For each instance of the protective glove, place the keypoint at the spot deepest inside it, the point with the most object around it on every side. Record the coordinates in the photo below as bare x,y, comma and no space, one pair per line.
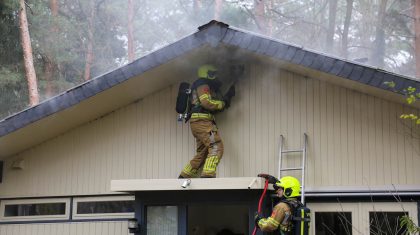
257,218
272,179
228,96
231,92
227,103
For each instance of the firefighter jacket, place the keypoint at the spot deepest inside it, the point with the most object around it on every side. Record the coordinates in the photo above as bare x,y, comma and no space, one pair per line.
204,99
281,218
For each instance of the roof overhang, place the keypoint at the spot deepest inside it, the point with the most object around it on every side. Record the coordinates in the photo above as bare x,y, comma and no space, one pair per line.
257,183
234,183
167,66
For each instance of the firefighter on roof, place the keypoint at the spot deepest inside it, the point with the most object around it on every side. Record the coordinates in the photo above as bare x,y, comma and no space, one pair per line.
205,103
287,189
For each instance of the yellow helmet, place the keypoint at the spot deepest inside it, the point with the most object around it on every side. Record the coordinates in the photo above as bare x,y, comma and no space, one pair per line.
208,71
290,185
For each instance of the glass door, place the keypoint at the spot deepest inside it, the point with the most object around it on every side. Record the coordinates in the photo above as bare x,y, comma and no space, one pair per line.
162,220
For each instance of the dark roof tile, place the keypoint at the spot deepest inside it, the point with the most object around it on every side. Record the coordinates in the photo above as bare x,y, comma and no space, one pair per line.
291,51
246,41
271,49
298,57
308,59
228,36
367,75
318,62
338,66
387,78
356,73
236,39
281,51
263,46
89,89
377,79
346,70
255,43
328,64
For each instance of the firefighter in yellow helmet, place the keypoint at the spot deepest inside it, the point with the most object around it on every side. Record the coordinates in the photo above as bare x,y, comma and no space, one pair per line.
287,189
206,101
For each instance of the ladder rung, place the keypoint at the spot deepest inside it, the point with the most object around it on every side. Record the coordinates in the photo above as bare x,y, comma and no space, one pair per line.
291,169
292,151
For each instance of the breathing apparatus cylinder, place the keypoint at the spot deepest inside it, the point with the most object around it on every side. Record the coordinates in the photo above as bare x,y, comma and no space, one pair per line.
301,220
183,101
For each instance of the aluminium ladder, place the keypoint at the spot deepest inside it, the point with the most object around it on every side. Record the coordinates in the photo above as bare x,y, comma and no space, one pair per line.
302,168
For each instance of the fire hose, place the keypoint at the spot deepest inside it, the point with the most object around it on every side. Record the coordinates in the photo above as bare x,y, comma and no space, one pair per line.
268,179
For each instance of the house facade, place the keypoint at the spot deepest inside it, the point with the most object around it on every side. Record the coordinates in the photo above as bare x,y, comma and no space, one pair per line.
60,157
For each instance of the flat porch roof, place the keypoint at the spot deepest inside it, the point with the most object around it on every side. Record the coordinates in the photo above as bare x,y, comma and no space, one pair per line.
232,183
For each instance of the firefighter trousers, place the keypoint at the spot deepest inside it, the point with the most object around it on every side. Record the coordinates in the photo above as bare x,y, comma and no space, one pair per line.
209,149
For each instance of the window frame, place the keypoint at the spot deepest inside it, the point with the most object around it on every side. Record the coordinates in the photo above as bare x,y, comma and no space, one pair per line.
360,212
4,203
335,207
77,216
409,207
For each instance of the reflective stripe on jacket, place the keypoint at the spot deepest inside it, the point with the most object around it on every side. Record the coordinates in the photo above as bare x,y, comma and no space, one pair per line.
203,98
280,219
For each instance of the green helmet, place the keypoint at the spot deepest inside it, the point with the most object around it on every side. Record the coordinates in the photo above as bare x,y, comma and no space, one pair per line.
290,185
208,71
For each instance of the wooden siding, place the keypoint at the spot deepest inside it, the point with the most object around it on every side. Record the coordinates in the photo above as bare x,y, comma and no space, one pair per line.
82,228
354,139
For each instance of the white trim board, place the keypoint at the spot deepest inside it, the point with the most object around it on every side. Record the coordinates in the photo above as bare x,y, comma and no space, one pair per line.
365,188
196,184
234,183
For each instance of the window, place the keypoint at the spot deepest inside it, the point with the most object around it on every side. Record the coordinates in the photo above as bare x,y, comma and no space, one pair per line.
34,209
162,220
386,223
360,217
334,218
330,223
103,207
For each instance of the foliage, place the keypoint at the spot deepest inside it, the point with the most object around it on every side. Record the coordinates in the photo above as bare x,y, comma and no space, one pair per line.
412,228
412,95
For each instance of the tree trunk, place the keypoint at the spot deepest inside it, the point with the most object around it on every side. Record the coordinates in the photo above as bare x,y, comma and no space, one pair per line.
378,53
332,13
54,7
130,37
344,41
416,4
260,15
48,62
27,55
217,9
89,49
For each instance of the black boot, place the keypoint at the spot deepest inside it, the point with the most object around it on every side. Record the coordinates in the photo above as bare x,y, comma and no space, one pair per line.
181,177
206,176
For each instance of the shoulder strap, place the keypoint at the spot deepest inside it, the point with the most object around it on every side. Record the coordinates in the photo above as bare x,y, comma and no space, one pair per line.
199,82
292,203
213,84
